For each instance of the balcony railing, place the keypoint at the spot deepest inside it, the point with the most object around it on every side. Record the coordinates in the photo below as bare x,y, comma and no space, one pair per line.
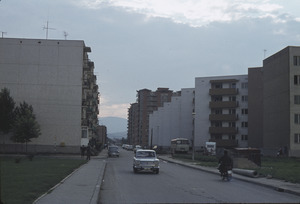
223,104
225,143
223,91
223,117
223,130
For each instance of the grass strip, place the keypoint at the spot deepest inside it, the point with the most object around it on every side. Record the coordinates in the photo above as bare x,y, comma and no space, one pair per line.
284,168
25,181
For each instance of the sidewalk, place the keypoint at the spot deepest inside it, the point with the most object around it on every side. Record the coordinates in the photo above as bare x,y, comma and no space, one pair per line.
82,186
276,184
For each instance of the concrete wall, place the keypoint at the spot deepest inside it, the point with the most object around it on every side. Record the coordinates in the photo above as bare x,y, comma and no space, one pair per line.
47,74
276,101
255,103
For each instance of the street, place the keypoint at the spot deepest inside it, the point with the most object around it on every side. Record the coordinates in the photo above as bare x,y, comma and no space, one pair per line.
178,184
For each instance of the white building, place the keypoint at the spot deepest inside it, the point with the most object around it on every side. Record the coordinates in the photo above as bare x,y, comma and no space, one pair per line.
173,120
56,78
221,111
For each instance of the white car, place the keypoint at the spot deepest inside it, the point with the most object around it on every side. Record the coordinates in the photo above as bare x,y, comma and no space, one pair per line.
145,160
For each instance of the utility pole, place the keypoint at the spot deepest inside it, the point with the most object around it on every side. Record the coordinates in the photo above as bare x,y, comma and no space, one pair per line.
47,28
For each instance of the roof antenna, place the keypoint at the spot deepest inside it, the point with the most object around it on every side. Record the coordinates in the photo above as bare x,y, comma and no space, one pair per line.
2,33
265,53
47,28
66,34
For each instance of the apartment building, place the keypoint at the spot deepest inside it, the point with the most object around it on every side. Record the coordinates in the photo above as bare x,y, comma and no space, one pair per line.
221,111
172,120
276,85
147,102
57,78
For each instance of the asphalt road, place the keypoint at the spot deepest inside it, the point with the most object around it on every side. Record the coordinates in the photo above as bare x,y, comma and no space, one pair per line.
178,184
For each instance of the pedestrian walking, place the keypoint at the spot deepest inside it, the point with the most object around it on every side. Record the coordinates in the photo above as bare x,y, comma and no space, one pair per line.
82,150
88,153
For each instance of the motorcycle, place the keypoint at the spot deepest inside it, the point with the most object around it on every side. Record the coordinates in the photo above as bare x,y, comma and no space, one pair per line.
226,172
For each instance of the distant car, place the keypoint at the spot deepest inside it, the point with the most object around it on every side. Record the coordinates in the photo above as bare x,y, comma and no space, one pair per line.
137,147
145,160
113,151
130,147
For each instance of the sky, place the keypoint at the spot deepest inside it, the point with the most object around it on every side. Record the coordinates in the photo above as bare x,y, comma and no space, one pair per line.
139,44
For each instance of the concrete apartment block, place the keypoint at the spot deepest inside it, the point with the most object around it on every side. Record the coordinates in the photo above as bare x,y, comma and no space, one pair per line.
48,74
221,111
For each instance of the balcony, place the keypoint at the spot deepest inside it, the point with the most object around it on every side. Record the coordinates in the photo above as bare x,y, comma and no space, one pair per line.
225,143
223,130
223,104
223,117
223,92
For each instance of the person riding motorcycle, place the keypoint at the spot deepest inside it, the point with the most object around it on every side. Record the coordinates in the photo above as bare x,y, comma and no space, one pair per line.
225,163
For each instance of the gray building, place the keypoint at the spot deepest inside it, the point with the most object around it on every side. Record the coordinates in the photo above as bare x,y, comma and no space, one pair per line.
274,108
57,78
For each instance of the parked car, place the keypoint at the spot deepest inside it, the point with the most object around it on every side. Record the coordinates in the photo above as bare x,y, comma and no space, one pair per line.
113,151
145,160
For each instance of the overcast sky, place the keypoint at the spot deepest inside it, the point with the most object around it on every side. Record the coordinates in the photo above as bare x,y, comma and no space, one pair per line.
140,44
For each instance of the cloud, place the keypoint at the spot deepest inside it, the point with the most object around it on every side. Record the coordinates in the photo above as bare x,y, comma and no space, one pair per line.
196,13
114,110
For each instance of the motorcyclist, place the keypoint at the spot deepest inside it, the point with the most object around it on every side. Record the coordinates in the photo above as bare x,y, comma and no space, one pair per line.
225,163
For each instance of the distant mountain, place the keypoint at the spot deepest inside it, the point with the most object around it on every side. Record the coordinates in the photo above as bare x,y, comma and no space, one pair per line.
114,124
117,135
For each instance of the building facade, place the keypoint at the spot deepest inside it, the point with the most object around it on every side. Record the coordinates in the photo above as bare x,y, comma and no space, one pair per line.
279,91
221,111
147,102
57,78
172,120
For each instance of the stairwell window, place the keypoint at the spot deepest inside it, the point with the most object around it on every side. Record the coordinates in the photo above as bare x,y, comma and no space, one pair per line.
297,80
297,138
297,118
244,137
244,124
296,60
297,99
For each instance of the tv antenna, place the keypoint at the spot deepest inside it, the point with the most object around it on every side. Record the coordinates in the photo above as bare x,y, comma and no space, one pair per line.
265,53
2,33
47,28
66,34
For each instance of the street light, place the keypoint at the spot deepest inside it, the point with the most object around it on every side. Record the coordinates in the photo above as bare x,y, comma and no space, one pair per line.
193,147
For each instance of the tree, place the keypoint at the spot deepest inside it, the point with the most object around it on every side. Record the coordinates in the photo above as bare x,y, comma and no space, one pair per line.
7,106
25,127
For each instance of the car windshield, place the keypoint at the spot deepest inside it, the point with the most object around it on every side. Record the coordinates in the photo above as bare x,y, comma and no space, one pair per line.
141,154
113,148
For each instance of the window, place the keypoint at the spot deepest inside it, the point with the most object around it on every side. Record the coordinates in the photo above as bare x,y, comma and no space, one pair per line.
231,137
233,85
244,124
231,124
244,85
296,79
245,111
217,86
217,111
297,118
244,137
232,98
216,124
297,138
244,98
217,98
297,99
296,60
232,111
